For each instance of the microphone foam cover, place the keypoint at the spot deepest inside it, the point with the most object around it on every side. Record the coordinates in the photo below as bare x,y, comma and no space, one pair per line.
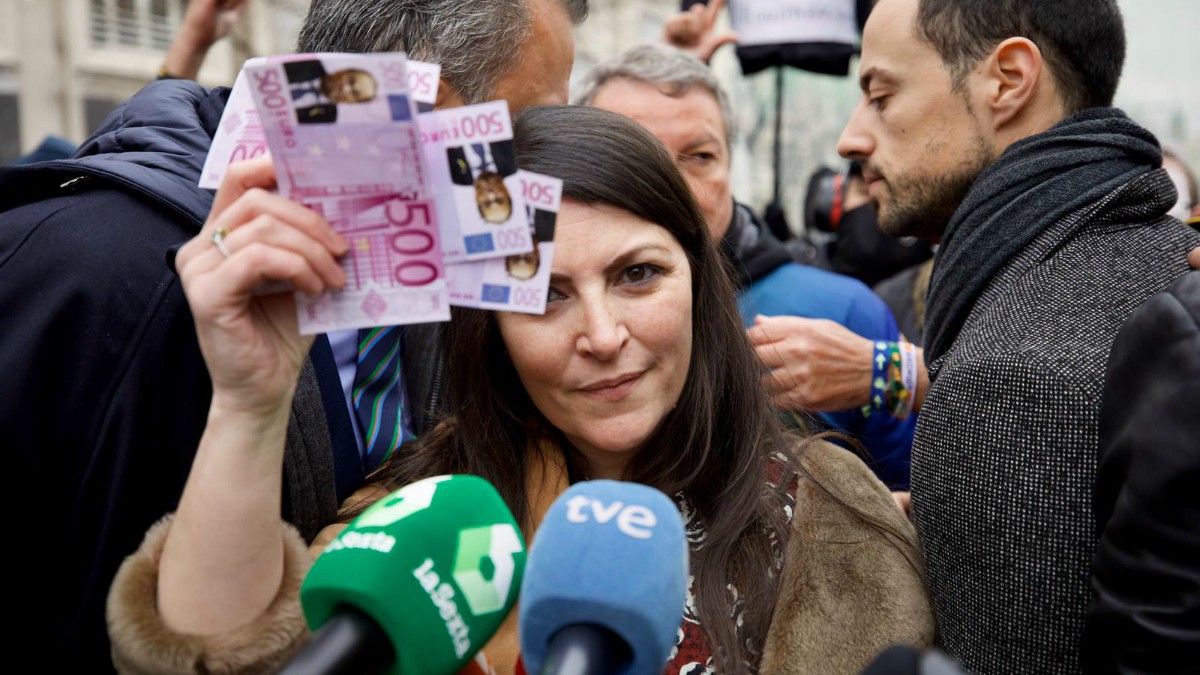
437,564
611,554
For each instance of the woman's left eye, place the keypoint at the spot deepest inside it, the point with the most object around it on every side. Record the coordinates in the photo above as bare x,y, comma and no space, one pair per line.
638,274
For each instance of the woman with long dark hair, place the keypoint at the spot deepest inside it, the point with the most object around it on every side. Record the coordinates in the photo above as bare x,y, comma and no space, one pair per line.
639,370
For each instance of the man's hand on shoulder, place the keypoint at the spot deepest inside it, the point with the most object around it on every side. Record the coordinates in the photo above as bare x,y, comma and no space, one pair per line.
693,31
1194,258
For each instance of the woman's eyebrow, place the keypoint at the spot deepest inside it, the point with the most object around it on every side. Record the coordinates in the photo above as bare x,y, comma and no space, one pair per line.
622,260
631,254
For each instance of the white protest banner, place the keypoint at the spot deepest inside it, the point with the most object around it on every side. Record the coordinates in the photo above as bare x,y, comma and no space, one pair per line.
767,22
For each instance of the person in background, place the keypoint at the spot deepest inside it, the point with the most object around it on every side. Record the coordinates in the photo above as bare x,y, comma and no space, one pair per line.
105,388
1146,573
832,368
904,294
988,126
205,23
838,203
52,147
638,371
694,30
679,100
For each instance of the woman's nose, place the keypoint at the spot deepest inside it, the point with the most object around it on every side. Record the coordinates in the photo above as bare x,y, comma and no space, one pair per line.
604,331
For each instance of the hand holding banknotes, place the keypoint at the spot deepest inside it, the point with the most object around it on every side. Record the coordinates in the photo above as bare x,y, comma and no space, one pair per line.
250,340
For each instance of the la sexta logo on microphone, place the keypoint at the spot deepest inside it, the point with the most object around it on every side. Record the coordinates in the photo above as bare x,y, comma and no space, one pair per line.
484,567
401,504
633,520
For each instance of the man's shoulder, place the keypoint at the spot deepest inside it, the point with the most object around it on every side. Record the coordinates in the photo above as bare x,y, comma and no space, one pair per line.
1059,310
102,233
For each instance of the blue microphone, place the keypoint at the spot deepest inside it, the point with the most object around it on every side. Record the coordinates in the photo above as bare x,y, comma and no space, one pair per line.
605,582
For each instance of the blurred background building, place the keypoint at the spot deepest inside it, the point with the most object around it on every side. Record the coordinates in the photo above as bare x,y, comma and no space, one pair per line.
65,64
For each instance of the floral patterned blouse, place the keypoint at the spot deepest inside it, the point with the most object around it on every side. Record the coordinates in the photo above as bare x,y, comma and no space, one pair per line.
692,654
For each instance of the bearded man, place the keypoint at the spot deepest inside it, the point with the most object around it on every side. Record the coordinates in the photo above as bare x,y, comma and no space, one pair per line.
987,125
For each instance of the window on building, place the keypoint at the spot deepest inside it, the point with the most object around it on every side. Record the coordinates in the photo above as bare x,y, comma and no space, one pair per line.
95,110
135,24
10,129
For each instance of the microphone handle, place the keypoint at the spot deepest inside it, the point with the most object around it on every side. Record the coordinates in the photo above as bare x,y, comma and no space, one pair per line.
586,649
349,643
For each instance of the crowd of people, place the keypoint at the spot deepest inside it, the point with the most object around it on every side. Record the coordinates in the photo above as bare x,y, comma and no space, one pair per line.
1004,475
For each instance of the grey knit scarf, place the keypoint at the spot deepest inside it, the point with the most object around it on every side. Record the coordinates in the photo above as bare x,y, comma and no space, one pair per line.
1036,182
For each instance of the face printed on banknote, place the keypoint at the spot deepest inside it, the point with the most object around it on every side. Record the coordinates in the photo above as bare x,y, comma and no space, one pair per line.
474,172
523,266
518,282
352,85
495,205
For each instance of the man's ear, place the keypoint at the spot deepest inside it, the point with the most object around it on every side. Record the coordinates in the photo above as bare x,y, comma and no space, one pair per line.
447,96
1015,72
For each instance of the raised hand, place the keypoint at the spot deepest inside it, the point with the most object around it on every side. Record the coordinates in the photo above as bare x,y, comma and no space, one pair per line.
693,30
223,559
249,339
205,23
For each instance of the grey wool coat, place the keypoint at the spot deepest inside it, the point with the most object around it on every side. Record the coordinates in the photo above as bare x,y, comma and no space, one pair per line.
1005,454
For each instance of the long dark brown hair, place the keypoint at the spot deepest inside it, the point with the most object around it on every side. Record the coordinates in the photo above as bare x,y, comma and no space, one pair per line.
714,447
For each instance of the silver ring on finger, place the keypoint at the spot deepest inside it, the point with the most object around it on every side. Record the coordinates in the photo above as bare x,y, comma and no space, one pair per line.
218,240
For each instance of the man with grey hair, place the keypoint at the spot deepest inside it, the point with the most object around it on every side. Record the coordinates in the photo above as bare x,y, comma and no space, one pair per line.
105,389
519,50
679,100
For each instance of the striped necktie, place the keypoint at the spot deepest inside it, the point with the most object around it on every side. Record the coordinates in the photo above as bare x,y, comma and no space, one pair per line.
377,393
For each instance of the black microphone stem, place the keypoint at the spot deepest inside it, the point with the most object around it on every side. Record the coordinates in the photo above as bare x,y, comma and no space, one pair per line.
586,650
350,643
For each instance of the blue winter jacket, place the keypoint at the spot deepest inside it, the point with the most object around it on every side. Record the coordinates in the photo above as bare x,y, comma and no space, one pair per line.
773,285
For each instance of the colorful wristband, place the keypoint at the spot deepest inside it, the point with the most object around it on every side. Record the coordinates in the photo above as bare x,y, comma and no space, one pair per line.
893,379
908,376
879,362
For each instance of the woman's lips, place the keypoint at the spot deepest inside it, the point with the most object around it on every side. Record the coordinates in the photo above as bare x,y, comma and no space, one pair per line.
613,389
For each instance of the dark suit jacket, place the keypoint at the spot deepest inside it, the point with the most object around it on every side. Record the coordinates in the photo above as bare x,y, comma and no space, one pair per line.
308,71
463,163
1145,614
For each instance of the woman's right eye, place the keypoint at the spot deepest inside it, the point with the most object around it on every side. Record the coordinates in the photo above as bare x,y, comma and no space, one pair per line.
552,295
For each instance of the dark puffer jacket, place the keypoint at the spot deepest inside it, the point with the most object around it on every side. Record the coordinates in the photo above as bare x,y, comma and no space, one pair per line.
104,393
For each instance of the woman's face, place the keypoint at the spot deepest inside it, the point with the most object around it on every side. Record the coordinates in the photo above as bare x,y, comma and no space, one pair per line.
608,360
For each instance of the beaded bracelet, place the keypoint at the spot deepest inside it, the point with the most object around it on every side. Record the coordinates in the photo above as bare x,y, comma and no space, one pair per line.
893,379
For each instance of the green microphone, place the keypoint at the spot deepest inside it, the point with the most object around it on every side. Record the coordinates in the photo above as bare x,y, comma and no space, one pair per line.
416,584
